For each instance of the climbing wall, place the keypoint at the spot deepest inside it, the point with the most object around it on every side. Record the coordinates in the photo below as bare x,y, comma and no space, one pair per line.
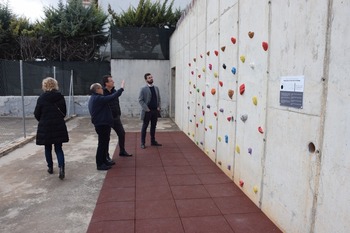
227,103
290,160
251,97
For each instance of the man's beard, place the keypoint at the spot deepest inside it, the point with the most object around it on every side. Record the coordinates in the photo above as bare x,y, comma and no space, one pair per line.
150,82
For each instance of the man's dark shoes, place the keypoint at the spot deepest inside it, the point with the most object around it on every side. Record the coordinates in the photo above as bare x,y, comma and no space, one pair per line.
103,167
155,143
110,162
143,146
50,170
125,154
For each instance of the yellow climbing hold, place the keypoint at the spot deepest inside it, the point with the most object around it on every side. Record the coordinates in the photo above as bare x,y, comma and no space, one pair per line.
219,138
255,189
203,69
242,58
216,74
238,150
210,126
255,100
201,120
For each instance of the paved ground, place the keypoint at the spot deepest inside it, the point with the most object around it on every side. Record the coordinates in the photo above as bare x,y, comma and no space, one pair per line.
174,188
31,200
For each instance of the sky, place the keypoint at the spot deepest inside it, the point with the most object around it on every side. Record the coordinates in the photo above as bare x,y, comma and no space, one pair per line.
33,9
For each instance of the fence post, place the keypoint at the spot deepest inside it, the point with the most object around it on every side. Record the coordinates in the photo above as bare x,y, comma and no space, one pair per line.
22,94
70,92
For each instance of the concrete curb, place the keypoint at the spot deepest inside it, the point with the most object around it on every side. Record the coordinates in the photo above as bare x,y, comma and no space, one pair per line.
22,141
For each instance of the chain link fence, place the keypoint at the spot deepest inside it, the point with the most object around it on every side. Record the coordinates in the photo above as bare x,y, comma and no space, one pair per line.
20,86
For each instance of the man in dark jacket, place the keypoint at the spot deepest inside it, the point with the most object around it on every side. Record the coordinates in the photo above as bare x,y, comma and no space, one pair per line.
101,117
109,89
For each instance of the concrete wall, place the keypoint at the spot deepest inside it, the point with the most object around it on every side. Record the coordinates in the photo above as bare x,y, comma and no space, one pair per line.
295,168
132,71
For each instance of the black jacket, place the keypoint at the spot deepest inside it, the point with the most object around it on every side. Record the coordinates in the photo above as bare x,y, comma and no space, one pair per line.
114,105
50,111
99,109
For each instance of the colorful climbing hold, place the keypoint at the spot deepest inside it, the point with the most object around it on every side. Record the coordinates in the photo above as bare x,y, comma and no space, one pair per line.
260,130
250,150
229,118
221,83
226,138
216,53
233,40
208,106
241,183
216,74
192,72
238,150
233,70
213,91
244,117
242,58
242,89
189,64
230,93
223,48
203,69
265,45
255,100
255,189
251,34
199,76
203,93
221,110
201,120
210,126
219,139
194,59
215,114
210,66
208,53
224,66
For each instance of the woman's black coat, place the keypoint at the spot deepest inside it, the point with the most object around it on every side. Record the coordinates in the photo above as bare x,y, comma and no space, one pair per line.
50,111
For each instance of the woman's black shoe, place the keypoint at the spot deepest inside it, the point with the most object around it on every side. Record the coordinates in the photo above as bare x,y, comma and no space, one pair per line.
61,176
50,170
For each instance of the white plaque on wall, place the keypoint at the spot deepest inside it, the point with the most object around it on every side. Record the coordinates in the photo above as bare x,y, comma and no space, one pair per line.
292,91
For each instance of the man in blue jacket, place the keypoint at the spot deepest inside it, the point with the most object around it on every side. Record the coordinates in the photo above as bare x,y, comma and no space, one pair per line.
101,117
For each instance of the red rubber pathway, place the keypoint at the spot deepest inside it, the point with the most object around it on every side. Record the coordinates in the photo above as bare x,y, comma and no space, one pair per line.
172,189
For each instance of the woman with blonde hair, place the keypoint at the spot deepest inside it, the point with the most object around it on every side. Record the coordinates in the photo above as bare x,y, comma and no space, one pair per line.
50,111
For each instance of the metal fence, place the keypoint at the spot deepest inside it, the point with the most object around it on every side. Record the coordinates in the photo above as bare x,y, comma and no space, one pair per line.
20,86
140,43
